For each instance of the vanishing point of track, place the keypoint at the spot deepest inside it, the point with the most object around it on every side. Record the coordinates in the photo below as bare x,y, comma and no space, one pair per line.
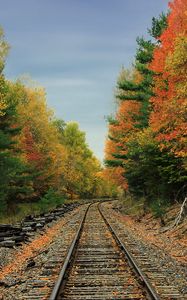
98,266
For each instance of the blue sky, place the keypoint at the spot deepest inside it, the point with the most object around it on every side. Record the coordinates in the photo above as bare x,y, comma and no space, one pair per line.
75,49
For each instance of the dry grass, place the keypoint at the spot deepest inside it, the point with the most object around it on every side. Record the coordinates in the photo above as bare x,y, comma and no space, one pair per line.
130,206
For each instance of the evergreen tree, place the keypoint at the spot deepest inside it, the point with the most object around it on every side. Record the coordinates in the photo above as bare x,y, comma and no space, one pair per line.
142,89
14,174
150,169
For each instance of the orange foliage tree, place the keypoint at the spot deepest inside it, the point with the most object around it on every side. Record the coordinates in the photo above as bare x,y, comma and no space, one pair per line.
121,131
168,118
146,142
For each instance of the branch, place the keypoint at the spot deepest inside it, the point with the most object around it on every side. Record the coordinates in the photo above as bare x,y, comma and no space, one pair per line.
179,216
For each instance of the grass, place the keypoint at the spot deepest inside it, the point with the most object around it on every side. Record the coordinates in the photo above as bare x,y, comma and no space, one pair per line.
131,206
33,208
138,207
21,211
48,202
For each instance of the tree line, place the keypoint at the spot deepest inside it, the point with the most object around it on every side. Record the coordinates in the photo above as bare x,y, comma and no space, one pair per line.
41,157
146,148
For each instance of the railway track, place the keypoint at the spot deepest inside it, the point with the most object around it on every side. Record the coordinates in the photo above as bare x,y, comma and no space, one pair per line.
99,267
158,273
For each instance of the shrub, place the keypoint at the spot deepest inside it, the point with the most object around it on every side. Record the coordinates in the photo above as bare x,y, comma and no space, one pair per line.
50,200
158,207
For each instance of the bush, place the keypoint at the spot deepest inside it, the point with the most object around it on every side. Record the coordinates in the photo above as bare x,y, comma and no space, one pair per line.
158,207
50,201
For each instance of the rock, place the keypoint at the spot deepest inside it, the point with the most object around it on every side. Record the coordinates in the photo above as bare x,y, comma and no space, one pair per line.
5,227
29,224
39,225
31,263
3,283
9,243
29,217
25,229
42,219
19,239
20,232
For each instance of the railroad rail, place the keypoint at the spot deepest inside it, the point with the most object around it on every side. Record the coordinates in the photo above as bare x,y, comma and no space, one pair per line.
155,271
98,266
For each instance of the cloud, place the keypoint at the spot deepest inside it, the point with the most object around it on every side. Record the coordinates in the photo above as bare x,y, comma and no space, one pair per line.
65,82
75,49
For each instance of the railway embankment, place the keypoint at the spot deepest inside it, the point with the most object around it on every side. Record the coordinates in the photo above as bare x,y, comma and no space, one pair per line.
30,271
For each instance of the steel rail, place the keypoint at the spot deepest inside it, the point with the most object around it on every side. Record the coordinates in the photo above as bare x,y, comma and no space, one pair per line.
144,280
68,258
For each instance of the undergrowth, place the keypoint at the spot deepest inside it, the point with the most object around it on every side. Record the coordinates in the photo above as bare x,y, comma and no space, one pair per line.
48,202
132,207
139,207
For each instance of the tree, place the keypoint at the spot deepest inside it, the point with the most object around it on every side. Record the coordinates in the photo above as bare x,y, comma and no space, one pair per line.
168,118
81,167
121,129
139,86
14,173
40,139
40,156
4,48
150,172
146,141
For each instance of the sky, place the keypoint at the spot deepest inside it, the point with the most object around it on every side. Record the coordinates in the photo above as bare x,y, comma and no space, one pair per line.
75,49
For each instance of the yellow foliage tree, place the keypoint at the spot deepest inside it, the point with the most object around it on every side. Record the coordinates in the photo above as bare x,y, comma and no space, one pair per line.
39,138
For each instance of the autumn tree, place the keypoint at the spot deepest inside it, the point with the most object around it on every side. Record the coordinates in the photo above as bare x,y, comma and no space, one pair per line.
146,139
134,89
39,139
151,173
41,158
168,119
138,87
121,128
4,48
80,165
15,175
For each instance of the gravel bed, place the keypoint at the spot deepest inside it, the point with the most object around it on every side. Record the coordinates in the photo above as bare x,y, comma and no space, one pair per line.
38,274
175,273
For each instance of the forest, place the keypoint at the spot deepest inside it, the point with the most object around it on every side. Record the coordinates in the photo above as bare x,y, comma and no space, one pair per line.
72,226
43,160
146,148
